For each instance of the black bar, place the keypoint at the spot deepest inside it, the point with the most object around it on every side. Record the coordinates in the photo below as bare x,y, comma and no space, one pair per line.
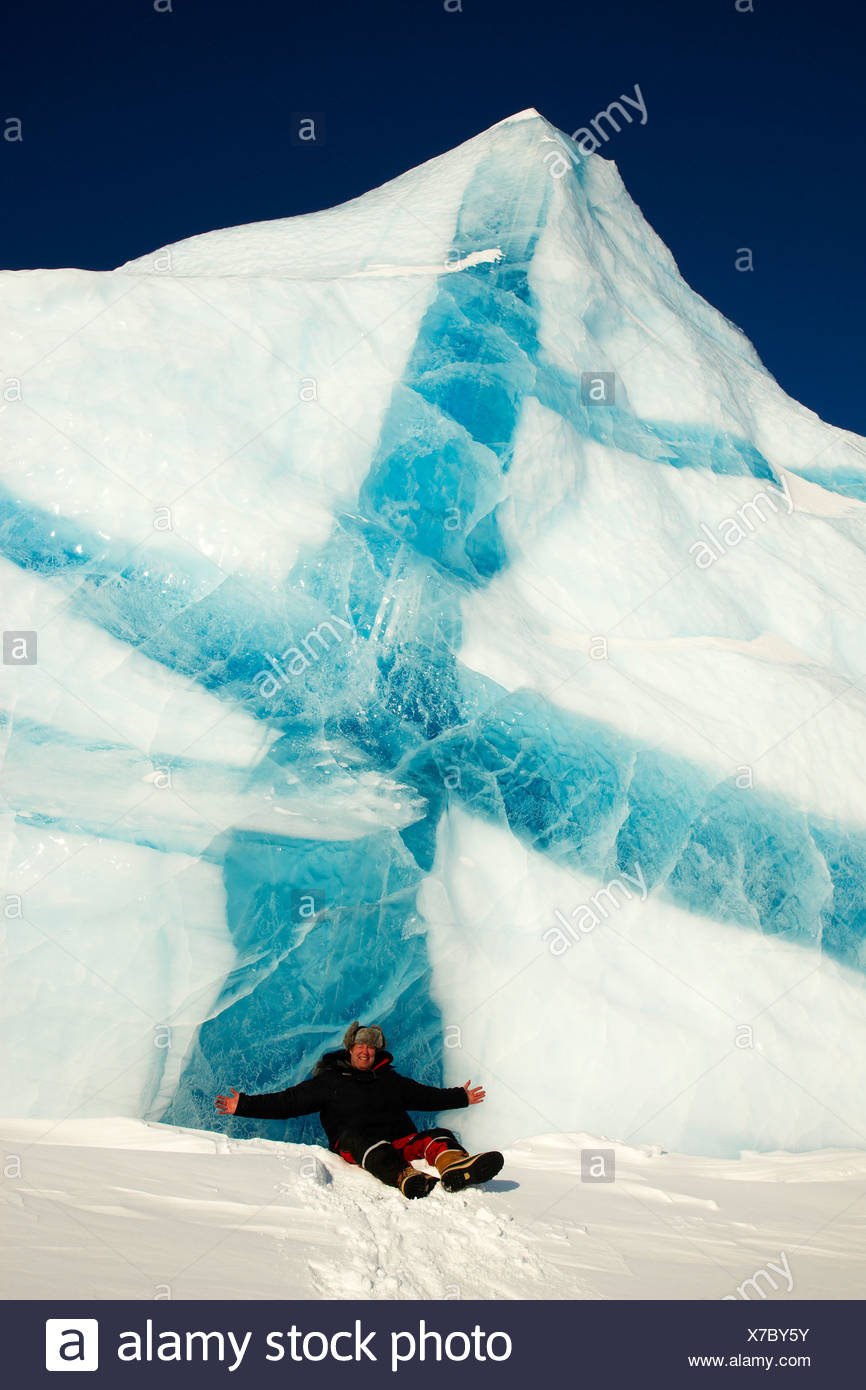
628,1344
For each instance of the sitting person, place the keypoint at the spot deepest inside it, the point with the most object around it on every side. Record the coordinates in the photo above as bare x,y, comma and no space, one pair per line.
362,1104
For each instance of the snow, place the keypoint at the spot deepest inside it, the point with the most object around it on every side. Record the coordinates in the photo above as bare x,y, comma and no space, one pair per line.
118,1208
372,647
489,257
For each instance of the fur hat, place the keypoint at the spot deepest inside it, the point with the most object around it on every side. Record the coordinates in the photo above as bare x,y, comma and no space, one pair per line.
371,1034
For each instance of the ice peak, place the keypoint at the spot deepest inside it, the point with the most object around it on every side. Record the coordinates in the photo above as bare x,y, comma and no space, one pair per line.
338,241
529,114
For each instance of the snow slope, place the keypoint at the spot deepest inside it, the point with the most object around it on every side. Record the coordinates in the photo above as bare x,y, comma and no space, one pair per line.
443,618
124,1209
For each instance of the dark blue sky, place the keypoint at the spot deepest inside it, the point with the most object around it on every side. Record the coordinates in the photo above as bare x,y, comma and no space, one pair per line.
140,127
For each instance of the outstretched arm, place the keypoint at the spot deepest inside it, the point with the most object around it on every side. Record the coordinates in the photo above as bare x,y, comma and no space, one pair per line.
303,1099
416,1096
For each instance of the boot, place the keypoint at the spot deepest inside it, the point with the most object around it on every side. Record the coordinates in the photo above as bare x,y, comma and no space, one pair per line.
446,1158
458,1169
413,1183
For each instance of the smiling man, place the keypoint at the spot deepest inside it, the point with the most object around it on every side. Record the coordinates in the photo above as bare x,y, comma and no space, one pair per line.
362,1103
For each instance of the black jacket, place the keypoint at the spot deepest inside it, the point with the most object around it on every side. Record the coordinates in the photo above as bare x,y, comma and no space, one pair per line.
349,1100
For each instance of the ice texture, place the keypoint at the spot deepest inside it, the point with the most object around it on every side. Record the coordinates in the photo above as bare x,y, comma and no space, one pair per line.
372,645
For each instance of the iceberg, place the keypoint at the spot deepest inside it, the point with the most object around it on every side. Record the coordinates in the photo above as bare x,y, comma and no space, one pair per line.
430,610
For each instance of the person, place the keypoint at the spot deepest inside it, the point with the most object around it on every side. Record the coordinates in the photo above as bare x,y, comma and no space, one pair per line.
362,1103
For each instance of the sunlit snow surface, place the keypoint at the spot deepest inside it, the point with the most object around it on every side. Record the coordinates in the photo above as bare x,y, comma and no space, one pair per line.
119,1208
371,648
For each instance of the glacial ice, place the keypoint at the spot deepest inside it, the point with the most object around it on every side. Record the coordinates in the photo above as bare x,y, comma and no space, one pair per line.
369,642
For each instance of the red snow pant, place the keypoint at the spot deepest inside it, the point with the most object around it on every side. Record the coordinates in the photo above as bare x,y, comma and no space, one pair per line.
386,1158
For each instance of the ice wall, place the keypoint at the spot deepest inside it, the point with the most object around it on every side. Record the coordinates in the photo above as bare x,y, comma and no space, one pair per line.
362,617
